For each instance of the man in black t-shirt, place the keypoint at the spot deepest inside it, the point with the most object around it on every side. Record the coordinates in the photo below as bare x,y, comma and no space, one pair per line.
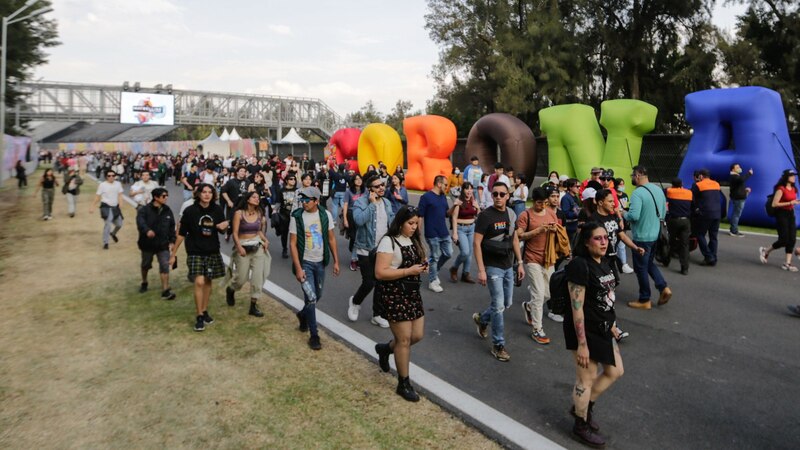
497,252
606,217
233,190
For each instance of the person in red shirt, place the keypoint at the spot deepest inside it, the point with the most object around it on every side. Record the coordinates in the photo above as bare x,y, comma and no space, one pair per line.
784,201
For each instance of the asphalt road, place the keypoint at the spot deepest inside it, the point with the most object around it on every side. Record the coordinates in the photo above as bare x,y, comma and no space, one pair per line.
715,368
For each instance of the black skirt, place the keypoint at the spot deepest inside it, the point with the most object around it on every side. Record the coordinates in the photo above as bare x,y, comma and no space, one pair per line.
600,342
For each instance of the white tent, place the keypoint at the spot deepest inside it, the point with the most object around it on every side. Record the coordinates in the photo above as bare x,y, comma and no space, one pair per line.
292,138
224,136
213,145
234,136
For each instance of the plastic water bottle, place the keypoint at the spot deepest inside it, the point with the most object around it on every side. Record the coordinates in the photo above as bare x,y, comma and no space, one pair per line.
308,288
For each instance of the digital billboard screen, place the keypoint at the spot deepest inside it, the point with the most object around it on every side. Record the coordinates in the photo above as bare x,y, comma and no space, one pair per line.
141,108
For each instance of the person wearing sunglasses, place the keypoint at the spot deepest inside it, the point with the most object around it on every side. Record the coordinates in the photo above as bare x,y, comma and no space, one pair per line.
156,225
588,329
497,253
372,214
109,197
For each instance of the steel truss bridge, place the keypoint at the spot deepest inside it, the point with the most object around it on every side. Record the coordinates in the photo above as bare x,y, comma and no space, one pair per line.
74,102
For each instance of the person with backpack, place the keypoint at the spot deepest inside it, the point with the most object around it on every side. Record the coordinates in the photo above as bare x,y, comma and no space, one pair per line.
784,199
497,253
313,245
588,329
399,262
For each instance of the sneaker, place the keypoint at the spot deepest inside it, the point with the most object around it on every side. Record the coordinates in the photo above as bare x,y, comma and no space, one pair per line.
207,319
303,322
435,286
285,254
230,296
481,327
168,295
143,288
379,321
314,343
622,334
794,309
114,237
200,325
555,317
354,266
540,337
105,246
789,267
627,269
526,309
500,353
740,234
731,233
762,254
352,310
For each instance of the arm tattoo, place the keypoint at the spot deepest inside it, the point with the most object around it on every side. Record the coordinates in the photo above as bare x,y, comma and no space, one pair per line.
575,291
579,389
580,332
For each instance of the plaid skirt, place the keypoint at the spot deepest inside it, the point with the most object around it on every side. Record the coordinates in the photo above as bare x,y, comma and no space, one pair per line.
209,266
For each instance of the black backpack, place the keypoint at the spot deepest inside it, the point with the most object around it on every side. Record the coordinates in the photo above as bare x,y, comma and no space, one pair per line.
373,254
559,293
768,206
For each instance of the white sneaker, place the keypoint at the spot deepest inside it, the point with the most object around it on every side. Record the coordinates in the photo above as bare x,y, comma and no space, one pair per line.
379,321
435,286
352,310
627,269
555,317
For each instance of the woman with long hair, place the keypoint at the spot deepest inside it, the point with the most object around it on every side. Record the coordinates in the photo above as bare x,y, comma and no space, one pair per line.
199,226
260,187
400,172
465,210
397,193
284,205
784,201
354,192
47,184
398,264
519,195
588,327
249,262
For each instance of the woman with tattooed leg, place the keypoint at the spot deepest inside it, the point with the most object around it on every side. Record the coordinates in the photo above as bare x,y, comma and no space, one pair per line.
588,329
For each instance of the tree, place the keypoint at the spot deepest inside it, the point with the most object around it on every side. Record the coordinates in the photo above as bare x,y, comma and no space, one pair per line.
27,42
366,115
401,110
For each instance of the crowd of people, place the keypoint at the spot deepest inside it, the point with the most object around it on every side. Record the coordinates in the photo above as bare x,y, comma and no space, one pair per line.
504,231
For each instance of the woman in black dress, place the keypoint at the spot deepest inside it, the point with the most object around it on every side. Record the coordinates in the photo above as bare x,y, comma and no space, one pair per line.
399,262
588,328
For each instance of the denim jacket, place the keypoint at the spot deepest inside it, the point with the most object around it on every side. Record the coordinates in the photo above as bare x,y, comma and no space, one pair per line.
365,215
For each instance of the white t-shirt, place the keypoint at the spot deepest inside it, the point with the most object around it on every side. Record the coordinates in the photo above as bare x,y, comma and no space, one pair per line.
381,225
143,198
208,178
109,192
185,205
314,235
385,246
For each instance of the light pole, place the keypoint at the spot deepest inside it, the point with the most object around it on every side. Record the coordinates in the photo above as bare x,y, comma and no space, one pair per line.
5,23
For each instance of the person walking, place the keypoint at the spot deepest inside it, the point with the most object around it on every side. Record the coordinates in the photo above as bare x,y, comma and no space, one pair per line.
648,207
497,253
454,182
22,177
465,210
707,212
679,224
588,329
519,196
199,226
372,215
72,188
397,193
355,190
232,192
156,225
284,205
339,186
571,207
141,191
250,261
473,173
533,227
738,193
433,212
399,262
784,200
311,253
109,197
47,184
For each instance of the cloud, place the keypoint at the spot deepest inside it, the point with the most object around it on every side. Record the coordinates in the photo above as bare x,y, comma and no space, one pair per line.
280,29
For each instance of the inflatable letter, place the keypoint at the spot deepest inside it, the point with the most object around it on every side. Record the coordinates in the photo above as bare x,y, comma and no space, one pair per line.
429,140
345,142
379,143
515,139
752,118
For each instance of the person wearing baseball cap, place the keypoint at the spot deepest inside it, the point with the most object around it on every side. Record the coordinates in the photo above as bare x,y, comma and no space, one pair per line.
596,174
784,200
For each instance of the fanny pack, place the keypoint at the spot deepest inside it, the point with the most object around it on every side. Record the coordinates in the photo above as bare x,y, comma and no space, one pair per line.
251,245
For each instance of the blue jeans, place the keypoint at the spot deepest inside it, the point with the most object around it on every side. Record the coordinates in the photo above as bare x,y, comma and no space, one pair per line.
518,208
187,194
645,267
703,227
501,288
315,274
441,251
466,237
336,204
622,252
738,207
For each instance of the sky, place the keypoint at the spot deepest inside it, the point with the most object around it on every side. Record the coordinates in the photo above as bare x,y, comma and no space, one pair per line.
343,52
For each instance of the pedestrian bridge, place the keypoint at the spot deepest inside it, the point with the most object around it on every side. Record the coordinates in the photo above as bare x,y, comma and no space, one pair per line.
75,102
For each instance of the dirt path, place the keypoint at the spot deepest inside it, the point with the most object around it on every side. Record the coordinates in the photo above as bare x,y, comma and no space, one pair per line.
88,362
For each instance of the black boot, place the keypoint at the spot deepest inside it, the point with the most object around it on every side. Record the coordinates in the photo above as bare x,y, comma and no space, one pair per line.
285,254
254,311
592,424
229,296
383,351
583,432
405,390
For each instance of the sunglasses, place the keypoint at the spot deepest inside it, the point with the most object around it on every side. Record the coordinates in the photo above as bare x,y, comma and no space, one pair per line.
306,199
413,209
600,238
499,194
378,186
